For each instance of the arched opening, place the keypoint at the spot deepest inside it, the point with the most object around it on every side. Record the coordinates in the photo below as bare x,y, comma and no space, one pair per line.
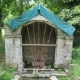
38,45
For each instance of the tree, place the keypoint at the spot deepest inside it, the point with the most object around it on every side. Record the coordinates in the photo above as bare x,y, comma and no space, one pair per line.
11,7
3,9
68,10
0,24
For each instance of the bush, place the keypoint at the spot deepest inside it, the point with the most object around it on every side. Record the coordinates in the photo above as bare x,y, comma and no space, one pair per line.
75,71
63,78
76,53
2,45
2,48
8,74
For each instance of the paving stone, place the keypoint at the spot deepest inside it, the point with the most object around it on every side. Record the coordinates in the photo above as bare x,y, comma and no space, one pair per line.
53,78
77,78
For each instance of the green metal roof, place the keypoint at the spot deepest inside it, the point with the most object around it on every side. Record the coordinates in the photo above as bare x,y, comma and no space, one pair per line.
40,9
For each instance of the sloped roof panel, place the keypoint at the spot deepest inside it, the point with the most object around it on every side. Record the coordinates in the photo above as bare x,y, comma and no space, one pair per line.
39,9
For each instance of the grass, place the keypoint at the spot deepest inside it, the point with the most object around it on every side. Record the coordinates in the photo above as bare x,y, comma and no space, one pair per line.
75,71
75,60
63,78
6,74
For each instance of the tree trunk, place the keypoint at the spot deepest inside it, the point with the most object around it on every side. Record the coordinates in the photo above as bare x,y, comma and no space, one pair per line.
0,26
21,7
0,36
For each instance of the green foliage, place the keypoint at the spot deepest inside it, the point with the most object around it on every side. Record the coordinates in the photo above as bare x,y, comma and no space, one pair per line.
36,75
2,50
2,45
76,70
8,74
68,10
10,69
76,54
63,78
76,42
1,70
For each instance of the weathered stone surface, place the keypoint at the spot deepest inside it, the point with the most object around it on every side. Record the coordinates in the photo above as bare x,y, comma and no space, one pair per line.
15,53
17,77
7,30
63,52
77,78
20,66
53,78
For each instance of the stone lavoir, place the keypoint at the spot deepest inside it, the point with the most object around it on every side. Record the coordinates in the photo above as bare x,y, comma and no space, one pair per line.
37,39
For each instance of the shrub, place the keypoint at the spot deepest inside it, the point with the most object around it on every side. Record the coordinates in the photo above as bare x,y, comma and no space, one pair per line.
2,45
63,78
76,53
8,75
2,49
75,71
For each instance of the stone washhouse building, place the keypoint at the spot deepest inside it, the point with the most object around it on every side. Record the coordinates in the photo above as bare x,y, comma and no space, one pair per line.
38,38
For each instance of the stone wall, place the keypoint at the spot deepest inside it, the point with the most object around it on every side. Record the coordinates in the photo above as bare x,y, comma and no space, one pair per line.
63,52
13,49
61,55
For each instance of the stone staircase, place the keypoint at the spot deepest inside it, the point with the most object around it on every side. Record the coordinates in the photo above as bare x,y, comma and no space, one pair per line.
40,73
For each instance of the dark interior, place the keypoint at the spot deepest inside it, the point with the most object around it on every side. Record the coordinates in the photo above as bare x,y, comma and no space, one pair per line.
38,33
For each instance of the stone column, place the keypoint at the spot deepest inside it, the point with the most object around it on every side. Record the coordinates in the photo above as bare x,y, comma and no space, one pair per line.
59,52
13,51
9,47
18,53
68,51
13,48
63,50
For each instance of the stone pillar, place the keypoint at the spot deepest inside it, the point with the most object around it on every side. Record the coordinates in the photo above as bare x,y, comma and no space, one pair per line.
68,51
9,50
18,53
13,48
59,52
13,51
63,50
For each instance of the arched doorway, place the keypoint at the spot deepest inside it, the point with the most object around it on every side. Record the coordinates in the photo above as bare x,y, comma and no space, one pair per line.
38,44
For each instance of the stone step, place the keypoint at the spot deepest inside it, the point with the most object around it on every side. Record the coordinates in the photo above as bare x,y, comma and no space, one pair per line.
44,75
58,75
30,69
